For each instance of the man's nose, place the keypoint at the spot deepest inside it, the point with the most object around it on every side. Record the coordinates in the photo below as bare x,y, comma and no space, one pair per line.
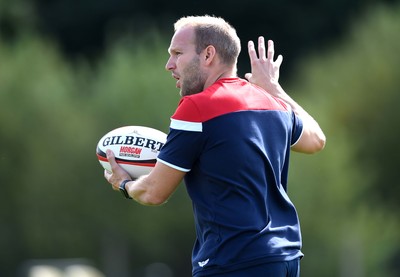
170,64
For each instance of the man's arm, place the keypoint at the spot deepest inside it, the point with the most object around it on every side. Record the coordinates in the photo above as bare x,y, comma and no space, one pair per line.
265,73
152,189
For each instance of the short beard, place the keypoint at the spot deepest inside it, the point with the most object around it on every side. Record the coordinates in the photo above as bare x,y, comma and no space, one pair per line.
195,80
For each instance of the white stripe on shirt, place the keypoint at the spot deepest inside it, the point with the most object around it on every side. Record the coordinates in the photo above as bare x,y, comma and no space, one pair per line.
186,125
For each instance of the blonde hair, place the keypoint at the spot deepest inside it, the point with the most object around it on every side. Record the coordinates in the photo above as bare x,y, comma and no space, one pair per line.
215,31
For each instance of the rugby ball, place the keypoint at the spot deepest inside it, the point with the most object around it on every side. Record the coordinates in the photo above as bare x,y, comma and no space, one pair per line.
135,148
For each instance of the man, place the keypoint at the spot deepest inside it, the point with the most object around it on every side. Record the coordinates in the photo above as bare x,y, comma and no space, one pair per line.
230,141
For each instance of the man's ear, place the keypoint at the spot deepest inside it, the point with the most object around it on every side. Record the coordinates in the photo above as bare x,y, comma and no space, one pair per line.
209,54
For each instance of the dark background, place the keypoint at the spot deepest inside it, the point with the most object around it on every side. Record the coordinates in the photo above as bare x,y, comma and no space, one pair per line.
83,27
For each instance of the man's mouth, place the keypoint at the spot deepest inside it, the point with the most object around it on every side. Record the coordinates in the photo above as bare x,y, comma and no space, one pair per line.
178,83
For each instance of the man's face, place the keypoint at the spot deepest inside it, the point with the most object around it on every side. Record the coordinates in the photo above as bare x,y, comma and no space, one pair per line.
184,63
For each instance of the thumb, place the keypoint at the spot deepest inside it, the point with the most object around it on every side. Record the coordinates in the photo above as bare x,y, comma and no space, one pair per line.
248,76
110,154
117,172
111,158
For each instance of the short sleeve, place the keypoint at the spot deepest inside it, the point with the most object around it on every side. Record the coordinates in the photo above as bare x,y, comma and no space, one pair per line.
297,129
185,139
182,149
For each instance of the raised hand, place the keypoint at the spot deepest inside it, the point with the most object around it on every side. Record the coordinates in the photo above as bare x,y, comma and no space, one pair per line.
264,70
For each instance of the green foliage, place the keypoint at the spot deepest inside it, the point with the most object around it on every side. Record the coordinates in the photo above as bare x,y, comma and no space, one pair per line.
131,84
55,200
352,89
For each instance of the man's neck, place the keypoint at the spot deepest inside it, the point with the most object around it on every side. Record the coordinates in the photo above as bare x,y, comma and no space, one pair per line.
220,75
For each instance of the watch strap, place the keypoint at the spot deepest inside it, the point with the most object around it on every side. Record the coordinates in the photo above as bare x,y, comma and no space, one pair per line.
123,189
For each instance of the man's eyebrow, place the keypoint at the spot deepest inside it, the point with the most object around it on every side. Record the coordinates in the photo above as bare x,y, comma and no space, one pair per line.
173,50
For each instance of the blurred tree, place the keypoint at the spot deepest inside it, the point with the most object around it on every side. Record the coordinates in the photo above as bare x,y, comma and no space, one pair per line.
374,121
56,202
83,27
15,16
348,193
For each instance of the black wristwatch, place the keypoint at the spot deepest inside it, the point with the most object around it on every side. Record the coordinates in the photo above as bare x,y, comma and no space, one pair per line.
123,190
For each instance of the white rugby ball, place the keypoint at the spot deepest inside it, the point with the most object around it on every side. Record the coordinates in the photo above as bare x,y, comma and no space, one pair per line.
135,148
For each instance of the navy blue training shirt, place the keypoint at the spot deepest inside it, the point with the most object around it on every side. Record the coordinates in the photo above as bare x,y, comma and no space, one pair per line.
233,140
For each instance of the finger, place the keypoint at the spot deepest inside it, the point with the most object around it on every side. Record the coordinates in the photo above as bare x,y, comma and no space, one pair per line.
107,174
271,50
279,60
252,51
261,47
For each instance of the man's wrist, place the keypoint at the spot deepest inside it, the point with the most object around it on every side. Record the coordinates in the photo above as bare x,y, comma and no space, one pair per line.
123,190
